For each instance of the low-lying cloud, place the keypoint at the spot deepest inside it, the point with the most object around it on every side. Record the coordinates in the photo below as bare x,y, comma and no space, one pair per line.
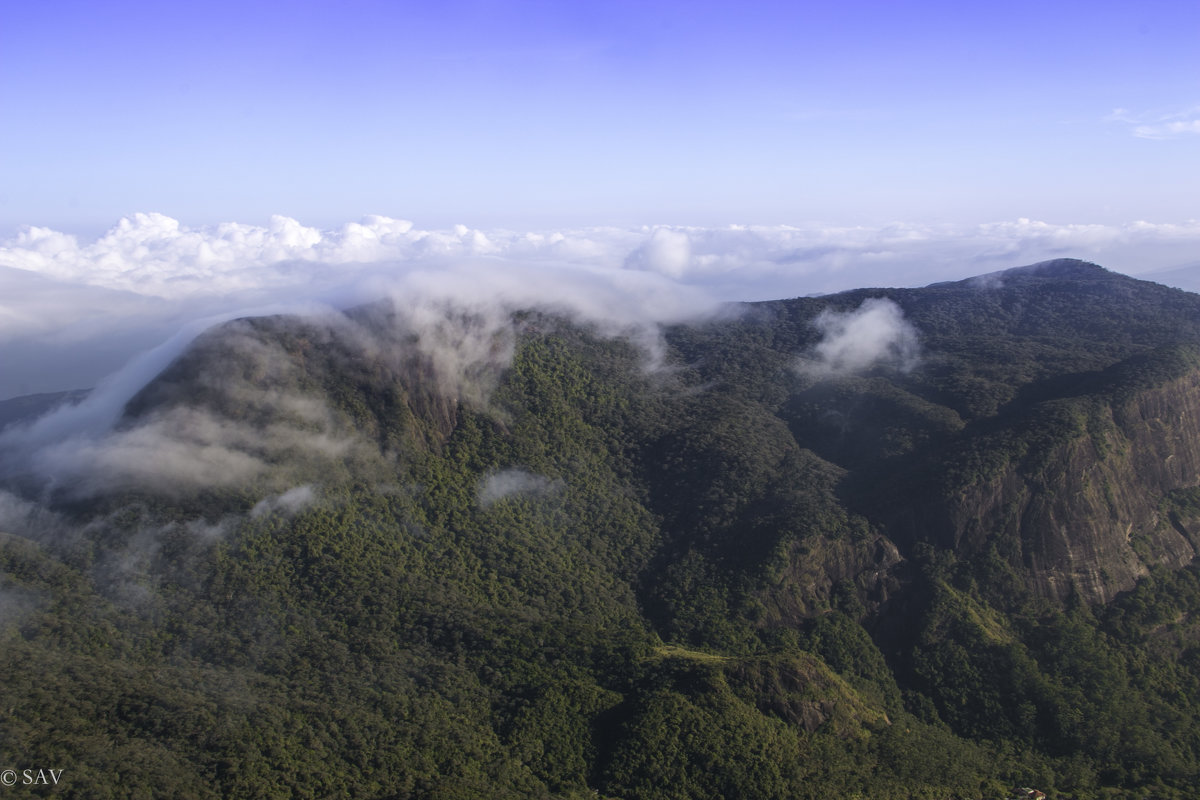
186,442
290,502
17,604
179,450
514,482
875,334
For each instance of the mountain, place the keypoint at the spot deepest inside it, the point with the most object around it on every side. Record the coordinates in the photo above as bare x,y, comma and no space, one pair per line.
884,543
29,407
1185,276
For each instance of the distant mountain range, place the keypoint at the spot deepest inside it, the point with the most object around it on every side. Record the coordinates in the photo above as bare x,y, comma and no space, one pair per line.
29,407
885,543
1185,277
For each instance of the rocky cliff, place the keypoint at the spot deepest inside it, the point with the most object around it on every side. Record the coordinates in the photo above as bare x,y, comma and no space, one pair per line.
1077,491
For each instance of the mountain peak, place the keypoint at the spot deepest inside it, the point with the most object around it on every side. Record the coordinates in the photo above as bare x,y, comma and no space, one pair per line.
1059,268
1053,269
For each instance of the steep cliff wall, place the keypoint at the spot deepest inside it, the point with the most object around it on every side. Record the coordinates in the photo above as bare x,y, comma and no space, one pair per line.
1079,506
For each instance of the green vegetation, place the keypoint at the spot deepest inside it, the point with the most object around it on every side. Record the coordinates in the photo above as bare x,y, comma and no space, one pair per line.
722,578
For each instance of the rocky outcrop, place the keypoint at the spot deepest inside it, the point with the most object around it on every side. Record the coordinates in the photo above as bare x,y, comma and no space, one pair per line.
1083,512
804,580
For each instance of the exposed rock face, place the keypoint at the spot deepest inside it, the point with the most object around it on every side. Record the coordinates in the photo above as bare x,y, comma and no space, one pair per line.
1086,514
804,584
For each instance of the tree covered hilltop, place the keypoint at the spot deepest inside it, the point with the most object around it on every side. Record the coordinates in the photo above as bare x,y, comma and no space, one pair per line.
888,543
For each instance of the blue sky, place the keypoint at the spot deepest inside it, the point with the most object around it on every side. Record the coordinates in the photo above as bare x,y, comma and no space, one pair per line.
538,114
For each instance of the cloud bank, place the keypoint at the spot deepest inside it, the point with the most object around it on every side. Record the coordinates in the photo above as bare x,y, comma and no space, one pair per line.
71,311
156,256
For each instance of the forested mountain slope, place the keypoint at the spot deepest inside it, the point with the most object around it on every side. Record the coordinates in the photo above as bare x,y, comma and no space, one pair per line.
886,543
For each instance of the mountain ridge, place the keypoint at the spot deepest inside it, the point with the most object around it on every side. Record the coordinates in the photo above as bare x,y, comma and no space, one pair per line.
873,542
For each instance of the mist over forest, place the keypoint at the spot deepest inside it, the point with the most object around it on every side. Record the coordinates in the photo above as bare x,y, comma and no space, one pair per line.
570,533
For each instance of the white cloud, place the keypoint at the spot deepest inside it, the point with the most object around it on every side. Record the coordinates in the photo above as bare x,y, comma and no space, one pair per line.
288,503
667,251
177,450
514,482
1168,130
1172,125
874,334
182,449
151,255
71,309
